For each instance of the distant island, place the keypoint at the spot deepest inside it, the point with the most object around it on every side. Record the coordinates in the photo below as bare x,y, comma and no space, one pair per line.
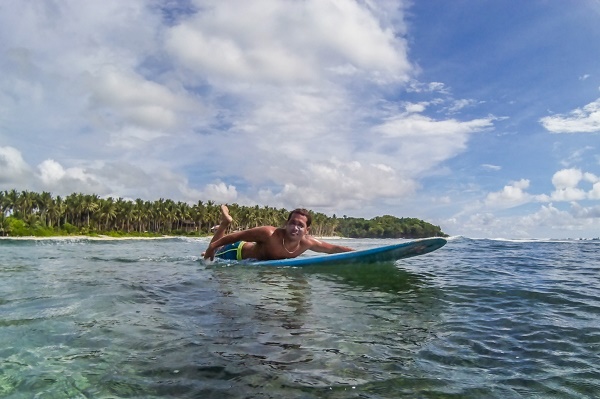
28,213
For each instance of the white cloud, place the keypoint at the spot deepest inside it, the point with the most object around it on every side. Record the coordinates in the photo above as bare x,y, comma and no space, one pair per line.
511,195
13,169
56,178
345,184
87,34
457,105
550,217
595,192
420,125
431,87
139,101
588,214
590,177
487,224
546,222
220,192
576,156
416,107
132,137
117,179
566,182
567,178
568,194
580,120
51,171
491,167
312,37
74,67
419,142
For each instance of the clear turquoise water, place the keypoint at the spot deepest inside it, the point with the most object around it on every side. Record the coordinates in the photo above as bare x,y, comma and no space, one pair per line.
147,319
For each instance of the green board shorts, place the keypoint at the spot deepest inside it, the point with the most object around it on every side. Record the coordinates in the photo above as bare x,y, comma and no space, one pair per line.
230,251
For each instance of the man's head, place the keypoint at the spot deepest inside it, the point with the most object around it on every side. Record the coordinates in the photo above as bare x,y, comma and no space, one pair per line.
297,224
302,212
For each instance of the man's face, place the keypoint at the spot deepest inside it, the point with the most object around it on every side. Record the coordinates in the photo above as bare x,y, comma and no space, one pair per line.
296,227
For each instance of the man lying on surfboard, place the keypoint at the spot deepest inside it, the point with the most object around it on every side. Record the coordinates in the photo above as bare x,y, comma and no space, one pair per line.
268,242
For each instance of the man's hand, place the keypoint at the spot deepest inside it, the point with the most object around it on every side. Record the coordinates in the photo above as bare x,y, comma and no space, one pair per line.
210,253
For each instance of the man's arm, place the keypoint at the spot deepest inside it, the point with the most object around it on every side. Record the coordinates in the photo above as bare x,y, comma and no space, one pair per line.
325,247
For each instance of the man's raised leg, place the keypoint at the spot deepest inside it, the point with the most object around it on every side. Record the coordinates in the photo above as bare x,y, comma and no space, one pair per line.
226,220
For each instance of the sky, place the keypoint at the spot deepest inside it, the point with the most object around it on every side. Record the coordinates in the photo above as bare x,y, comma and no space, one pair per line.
480,116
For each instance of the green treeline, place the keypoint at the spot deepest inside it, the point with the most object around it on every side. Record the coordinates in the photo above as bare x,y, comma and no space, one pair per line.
388,227
28,213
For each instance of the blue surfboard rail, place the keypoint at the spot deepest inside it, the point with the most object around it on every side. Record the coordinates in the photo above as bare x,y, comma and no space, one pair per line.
386,253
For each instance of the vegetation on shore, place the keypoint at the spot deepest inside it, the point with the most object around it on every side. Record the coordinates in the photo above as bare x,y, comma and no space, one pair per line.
28,213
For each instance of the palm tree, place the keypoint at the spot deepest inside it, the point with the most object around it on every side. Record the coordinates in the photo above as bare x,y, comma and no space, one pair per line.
107,211
124,214
160,214
45,202
10,201
170,215
26,203
2,204
32,220
199,215
56,211
138,214
183,214
89,205
3,224
74,204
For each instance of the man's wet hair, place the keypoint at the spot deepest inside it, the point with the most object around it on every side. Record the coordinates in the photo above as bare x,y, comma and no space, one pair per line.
303,212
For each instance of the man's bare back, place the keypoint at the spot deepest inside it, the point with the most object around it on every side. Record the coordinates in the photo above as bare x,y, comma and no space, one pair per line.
268,242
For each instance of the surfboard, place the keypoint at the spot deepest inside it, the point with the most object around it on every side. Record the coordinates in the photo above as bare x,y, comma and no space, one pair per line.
387,253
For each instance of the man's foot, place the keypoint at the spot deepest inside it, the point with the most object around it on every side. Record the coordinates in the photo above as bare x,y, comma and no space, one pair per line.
226,219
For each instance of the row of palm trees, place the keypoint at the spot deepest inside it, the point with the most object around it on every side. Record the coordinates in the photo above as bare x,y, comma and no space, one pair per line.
90,213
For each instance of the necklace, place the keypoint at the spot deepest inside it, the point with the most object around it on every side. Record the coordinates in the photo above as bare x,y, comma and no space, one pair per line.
288,251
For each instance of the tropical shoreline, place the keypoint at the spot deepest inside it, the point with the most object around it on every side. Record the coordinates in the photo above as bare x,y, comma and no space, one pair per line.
99,237
29,213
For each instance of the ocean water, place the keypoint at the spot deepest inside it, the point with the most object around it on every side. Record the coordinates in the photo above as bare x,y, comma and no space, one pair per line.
147,319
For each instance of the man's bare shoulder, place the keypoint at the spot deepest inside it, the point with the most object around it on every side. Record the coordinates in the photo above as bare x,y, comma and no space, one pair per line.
266,229
260,233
